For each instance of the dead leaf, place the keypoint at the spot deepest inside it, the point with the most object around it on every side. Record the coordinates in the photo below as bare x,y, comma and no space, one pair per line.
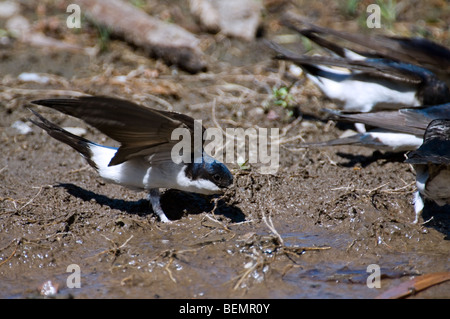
415,285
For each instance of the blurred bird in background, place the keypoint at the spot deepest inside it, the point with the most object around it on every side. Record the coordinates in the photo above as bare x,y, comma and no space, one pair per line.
431,162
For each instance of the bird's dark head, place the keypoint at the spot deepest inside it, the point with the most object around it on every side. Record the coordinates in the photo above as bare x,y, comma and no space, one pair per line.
436,145
435,92
208,176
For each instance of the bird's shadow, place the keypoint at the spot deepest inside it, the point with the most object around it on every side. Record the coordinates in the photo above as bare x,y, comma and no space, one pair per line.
365,161
175,203
437,217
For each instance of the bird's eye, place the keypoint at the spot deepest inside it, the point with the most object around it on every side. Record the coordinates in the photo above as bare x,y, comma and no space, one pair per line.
216,177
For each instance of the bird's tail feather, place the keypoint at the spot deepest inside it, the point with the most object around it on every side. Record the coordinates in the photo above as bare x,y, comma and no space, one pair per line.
349,140
80,144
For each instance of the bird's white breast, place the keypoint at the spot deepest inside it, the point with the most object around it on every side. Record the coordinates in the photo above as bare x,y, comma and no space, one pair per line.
362,96
135,173
391,141
139,173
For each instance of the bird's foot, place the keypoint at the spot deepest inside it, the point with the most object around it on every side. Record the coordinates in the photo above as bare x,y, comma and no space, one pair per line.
154,197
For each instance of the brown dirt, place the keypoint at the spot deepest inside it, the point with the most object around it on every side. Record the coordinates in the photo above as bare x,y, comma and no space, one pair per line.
337,210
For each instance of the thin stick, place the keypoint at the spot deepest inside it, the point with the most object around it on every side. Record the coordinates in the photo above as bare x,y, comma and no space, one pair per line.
116,248
3,169
156,99
170,271
10,256
373,190
34,197
245,275
269,224
41,91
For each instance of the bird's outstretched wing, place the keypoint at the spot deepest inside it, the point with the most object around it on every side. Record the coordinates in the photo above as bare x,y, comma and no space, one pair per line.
142,131
378,68
418,51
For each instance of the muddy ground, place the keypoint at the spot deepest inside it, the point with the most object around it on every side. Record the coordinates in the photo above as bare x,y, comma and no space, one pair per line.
335,211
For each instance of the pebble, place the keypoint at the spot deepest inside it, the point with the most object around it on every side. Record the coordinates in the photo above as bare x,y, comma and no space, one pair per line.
21,127
8,9
33,77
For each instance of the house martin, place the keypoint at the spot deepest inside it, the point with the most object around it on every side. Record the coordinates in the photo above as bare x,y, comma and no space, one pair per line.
418,51
431,162
395,131
144,159
370,84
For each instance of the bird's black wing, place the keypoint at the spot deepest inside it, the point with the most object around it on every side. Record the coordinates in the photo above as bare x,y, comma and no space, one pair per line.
140,130
361,68
418,51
